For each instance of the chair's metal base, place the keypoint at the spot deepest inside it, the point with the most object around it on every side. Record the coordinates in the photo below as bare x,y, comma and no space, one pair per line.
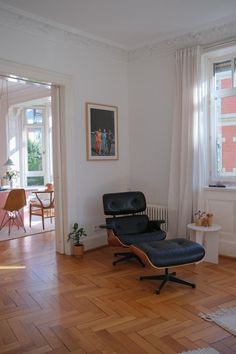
165,278
125,256
11,218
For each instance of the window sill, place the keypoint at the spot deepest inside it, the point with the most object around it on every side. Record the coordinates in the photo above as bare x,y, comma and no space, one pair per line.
220,189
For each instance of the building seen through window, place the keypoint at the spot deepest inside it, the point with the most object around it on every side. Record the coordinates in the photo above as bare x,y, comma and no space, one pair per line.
223,113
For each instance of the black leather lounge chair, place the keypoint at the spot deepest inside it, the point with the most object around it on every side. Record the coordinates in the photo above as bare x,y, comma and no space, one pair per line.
126,226
144,239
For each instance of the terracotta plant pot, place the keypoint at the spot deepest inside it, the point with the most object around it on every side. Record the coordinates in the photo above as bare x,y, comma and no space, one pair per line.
78,250
49,187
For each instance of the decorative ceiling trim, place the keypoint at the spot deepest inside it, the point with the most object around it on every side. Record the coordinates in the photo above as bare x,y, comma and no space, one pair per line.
21,22
215,33
209,36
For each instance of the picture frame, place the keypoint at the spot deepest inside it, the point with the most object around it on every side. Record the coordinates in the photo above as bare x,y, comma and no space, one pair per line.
101,132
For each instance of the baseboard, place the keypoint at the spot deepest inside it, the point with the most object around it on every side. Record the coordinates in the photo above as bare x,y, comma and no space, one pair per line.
227,248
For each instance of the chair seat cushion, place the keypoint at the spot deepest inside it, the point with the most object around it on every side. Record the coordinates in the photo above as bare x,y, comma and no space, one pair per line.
172,252
133,239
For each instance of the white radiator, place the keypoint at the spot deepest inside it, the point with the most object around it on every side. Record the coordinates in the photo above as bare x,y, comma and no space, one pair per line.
158,212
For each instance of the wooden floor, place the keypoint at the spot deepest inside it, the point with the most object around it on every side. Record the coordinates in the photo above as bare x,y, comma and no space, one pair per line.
60,304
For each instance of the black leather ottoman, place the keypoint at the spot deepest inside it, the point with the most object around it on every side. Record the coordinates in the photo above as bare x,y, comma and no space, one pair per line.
168,253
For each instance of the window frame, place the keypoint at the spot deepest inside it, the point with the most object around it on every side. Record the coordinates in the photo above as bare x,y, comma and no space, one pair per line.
213,94
25,127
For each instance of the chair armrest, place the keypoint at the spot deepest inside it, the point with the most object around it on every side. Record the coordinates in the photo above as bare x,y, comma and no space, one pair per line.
113,240
105,226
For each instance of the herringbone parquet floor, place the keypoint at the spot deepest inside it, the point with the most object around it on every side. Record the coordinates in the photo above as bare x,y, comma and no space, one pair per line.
61,304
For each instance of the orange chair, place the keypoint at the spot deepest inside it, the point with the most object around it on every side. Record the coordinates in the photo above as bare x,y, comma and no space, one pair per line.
42,205
16,200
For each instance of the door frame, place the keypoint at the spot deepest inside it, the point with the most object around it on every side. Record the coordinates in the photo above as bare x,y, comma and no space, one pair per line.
62,84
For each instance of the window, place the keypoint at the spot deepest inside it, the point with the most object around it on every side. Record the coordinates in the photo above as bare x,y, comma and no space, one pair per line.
35,146
35,156
34,116
223,119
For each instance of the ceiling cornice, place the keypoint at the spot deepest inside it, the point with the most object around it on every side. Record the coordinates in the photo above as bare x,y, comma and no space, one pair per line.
216,34
17,20
12,18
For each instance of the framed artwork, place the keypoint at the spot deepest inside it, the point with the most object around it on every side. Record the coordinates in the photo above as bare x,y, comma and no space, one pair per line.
102,132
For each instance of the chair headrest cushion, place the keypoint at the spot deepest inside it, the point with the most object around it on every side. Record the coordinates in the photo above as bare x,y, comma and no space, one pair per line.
124,203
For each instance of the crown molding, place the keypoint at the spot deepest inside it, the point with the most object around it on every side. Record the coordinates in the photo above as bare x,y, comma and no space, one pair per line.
37,26
216,32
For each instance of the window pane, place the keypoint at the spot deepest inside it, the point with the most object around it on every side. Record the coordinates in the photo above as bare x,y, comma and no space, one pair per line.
225,120
35,181
34,147
223,75
34,116
38,115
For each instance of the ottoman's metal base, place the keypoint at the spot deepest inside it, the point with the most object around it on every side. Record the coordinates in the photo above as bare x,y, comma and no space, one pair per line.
165,278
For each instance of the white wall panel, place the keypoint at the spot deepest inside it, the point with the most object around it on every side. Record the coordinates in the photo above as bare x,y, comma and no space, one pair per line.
222,203
224,213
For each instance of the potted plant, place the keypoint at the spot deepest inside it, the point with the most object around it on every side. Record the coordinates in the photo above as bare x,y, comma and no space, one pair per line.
75,235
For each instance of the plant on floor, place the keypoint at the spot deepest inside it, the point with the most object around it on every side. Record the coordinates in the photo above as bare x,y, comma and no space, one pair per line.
76,234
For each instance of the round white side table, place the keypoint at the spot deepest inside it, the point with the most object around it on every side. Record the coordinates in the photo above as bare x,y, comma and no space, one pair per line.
208,237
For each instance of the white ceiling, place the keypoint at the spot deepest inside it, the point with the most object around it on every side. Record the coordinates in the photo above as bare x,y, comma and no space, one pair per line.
16,90
130,23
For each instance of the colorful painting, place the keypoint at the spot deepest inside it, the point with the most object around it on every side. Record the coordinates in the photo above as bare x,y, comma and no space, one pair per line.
102,132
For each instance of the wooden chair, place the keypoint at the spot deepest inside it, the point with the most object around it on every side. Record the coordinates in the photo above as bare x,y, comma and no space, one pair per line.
16,201
42,205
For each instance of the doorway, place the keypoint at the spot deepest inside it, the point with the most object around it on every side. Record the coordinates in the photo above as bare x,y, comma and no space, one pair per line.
60,89
26,120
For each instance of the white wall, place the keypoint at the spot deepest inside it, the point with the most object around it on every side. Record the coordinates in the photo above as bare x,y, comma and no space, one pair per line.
151,96
95,77
101,74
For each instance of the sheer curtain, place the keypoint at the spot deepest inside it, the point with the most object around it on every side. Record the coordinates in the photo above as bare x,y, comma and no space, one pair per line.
189,150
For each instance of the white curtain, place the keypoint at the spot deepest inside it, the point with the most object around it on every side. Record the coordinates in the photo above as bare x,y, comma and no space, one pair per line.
189,150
